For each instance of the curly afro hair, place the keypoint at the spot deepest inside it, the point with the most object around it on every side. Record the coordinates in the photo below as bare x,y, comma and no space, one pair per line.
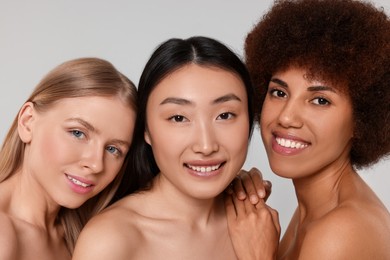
344,42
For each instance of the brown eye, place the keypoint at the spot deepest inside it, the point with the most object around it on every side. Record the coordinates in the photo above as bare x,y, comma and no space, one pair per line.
225,116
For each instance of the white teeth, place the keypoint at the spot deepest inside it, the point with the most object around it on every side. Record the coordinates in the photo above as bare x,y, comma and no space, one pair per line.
290,144
204,168
77,182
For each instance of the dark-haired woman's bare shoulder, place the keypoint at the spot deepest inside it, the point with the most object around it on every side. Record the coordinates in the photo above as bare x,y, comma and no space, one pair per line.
112,234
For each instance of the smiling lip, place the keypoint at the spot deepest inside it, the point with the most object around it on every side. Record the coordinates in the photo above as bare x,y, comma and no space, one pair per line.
288,145
79,185
203,169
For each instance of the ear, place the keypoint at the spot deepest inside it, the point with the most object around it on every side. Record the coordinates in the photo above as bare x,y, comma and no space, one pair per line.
25,120
147,137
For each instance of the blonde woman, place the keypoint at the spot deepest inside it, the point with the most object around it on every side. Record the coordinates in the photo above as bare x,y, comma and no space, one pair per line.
62,159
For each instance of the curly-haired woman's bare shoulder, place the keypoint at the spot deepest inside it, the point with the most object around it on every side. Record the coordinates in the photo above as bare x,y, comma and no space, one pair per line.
348,233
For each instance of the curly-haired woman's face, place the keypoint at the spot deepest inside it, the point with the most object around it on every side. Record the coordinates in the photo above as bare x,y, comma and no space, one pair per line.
306,125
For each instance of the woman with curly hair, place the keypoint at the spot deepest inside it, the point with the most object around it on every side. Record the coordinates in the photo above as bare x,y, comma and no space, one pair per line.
322,72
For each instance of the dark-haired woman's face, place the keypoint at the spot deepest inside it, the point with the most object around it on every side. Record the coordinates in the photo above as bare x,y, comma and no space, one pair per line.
306,125
198,129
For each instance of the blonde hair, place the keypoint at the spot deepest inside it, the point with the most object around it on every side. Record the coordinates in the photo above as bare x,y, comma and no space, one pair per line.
75,78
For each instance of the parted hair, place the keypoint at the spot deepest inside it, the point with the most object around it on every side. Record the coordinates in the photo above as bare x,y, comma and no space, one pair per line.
168,57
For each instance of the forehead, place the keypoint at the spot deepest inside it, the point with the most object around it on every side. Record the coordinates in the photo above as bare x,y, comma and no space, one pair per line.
193,81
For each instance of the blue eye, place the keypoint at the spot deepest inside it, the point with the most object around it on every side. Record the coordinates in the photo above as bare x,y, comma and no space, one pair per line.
113,150
77,134
321,101
225,116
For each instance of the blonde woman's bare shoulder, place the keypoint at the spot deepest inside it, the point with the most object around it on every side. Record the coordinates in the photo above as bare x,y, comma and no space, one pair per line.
348,232
8,238
112,234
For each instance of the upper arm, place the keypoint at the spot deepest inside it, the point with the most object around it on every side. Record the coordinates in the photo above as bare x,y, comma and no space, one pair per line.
8,239
105,237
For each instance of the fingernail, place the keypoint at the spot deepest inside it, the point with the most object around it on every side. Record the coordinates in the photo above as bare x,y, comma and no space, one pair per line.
261,194
254,199
241,195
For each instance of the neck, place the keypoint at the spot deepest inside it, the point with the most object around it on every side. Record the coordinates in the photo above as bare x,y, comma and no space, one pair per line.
29,203
321,192
186,208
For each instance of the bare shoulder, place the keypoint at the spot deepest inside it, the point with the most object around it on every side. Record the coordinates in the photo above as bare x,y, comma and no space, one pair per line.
348,232
8,238
112,234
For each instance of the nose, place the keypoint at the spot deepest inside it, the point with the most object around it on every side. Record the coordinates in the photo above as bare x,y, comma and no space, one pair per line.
290,115
205,140
93,159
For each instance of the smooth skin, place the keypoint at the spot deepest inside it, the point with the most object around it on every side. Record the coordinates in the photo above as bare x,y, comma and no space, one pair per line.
307,126
200,143
71,155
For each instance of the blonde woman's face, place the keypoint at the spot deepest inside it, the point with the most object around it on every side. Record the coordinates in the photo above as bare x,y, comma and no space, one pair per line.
74,150
198,127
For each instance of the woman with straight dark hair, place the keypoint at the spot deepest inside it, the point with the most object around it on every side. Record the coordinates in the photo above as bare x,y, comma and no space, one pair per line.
195,118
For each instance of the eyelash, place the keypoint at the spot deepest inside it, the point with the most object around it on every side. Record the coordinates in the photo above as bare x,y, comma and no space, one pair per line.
81,135
117,152
177,118
229,114
319,99
76,133
276,93
181,119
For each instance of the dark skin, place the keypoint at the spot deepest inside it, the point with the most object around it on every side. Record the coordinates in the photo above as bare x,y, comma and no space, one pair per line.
241,211
250,184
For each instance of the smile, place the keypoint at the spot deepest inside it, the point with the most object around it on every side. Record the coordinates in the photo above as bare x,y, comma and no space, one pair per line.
77,182
290,143
204,168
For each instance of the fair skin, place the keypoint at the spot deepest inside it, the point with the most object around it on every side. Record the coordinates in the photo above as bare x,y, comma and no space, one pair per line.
307,126
199,142
71,155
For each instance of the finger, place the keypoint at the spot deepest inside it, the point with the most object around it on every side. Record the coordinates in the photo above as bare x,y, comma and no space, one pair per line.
239,206
261,204
237,186
268,189
275,219
257,179
249,185
249,206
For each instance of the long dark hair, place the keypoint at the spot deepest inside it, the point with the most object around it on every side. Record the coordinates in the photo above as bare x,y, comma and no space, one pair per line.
167,58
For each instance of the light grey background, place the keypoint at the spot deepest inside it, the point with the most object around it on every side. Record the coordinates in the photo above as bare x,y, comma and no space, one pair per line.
37,35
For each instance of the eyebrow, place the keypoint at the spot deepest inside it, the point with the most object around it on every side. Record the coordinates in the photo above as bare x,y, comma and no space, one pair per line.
183,101
311,88
84,123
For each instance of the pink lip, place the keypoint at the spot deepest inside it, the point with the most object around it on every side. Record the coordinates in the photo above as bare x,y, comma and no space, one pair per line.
285,150
77,188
